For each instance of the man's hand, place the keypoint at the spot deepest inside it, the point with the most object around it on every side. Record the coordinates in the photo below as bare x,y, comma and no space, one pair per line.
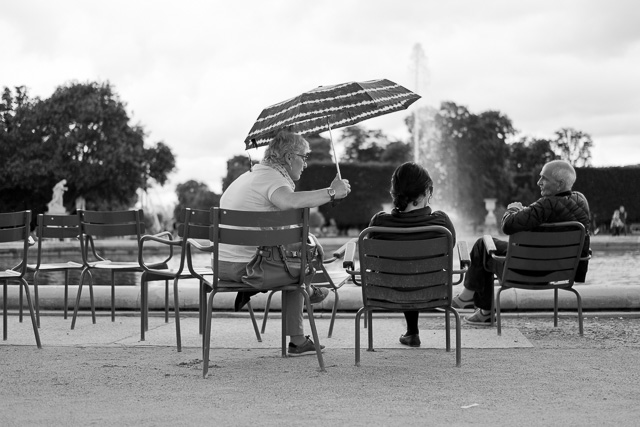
515,205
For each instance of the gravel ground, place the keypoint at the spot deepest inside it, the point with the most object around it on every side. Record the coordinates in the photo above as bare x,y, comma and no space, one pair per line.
563,380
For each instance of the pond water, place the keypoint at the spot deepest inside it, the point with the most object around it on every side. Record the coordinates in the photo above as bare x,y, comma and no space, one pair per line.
620,267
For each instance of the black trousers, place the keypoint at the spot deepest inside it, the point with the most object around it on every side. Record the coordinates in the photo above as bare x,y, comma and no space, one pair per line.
480,276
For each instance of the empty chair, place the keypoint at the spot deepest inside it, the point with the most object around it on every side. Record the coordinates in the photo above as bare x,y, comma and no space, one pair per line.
14,228
50,227
97,225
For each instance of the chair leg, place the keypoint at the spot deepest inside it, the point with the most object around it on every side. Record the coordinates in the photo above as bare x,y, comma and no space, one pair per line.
447,329
32,312
284,324
143,304
166,301
253,321
266,312
370,330
20,304
77,304
36,297
202,307
334,312
493,304
357,343
458,338
498,318
176,311
314,331
555,308
580,320
66,294
113,295
4,310
206,337
91,300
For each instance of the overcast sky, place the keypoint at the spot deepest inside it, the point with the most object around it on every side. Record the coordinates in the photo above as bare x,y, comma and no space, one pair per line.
196,74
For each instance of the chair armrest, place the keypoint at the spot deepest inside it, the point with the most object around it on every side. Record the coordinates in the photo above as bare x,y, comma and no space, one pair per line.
489,245
193,243
348,251
463,255
165,238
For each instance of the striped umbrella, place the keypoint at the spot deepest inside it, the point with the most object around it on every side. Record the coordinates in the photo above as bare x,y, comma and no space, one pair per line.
328,107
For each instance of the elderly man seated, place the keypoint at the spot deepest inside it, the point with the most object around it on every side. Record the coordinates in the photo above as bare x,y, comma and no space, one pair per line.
557,204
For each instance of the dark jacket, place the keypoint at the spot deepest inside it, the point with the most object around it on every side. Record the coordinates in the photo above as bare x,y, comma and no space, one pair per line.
415,218
565,206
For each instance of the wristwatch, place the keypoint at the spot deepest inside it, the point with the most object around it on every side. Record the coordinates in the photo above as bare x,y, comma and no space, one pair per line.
332,194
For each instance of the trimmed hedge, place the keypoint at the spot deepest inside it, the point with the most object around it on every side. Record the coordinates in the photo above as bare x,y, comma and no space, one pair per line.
370,184
608,188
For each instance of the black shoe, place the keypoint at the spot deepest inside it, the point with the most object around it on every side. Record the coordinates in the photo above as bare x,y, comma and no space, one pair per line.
242,299
305,347
318,294
410,340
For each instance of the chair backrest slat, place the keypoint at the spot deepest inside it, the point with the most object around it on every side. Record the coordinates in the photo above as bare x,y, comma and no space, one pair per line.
15,227
233,218
197,222
232,236
406,248
112,230
551,253
57,226
405,268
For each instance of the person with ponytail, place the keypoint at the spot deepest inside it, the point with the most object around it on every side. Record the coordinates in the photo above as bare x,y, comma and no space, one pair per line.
411,190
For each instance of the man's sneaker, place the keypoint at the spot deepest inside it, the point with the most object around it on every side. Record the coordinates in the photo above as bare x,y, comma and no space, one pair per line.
305,347
317,294
410,340
458,302
478,318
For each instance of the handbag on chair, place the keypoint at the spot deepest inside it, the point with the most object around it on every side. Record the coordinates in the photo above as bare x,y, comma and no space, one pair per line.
280,265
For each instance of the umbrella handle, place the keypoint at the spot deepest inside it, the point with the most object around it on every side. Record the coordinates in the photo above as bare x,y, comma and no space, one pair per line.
333,148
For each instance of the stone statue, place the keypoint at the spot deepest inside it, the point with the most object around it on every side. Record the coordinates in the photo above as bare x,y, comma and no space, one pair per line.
55,206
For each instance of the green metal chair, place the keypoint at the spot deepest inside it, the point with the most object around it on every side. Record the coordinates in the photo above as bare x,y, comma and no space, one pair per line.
58,227
105,226
255,229
192,224
14,227
544,259
412,274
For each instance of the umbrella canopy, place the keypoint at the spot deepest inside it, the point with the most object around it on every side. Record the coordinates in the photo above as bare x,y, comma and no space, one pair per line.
328,107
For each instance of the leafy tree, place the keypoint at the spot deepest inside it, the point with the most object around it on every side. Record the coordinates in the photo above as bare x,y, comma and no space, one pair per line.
526,160
82,134
236,166
195,195
573,146
363,145
467,156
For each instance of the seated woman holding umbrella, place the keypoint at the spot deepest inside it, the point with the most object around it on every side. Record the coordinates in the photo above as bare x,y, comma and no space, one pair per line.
269,186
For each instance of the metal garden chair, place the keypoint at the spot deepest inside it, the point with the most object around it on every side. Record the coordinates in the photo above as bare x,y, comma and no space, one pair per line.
544,259
55,227
103,225
14,227
407,275
255,229
193,224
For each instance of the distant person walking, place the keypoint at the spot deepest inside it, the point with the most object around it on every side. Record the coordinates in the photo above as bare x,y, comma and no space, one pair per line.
616,223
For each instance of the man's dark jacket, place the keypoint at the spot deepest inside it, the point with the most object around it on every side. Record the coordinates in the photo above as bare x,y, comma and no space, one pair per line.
565,206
